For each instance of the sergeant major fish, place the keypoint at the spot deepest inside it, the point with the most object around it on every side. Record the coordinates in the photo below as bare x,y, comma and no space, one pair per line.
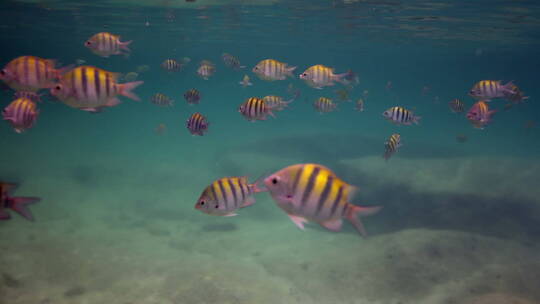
30,73
22,114
391,145
401,116
255,108
271,70
324,105
231,61
106,44
480,115
319,76
197,124
489,89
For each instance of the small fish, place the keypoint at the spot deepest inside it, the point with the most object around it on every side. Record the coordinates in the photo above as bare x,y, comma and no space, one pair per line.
276,102
162,100
425,90
143,68
245,81
91,89
480,115
343,95
365,93
231,61
197,124
515,96
18,204
489,89
171,65
206,69
271,70
324,105
461,138
30,73
389,86
255,108
359,105
35,97
401,116
351,78
319,76
226,195
312,192
161,129
131,76
456,106
186,60
106,44
192,96
80,61
21,113
391,145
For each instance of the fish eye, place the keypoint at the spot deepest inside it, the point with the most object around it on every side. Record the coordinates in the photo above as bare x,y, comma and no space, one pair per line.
304,74
201,203
3,72
58,87
256,68
274,180
217,206
87,43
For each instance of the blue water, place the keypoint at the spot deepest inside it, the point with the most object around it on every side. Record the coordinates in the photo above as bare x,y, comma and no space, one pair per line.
116,222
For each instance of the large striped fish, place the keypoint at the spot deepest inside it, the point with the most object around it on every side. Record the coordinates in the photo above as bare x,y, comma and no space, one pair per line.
21,114
479,115
255,108
488,89
391,145
197,124
324,105
30,73
91,89
271,69
401,116
106,44
226,195
311,192
319,76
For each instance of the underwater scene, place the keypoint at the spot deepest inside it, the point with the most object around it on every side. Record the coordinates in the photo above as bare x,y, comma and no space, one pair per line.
269,151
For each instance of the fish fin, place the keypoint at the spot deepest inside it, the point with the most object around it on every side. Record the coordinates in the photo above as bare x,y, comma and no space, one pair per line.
18,204
355,212
298,221
351,192
271,114
124,45
333,225
126,88
63,70
416,119
93,110
9,187
4,215
248,202
113,101
290,71
231,214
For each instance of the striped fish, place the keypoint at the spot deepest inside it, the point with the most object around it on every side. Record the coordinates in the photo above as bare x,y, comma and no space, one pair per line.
319,76
21,114
359,105
17,204
255,108
401,116
192,96
276,102
456,106
197,124
515,95
311,192
206,69
91,89
271,69
391,145
231,61
245,81
324,105
106,44
161,100
479,115
30,73
35,97
488,89
171,65
226,195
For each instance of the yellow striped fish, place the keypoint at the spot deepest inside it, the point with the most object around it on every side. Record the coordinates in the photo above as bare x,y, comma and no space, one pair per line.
391,145
324,105
271,69
456,106
226,195
312,192
276,102
171,65
91,89
401,116
255,108
162,100
21,114
106,44
488,89
319,76
30,73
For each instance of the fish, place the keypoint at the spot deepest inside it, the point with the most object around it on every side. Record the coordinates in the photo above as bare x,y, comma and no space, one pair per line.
272,70
425,90
160,129
456,106
91,89
231,61
312,192
30,73
245,81
365,94
35,97
489,89
162,100
106,44
319,76
18,204
21,113
515,96
185,60
389,85
255,108
192,96
351,78
359,105
226,195
80,61
206,69
131,76
343,95
479,115
391,145
171,65
143,68
324,105
197,124
401,116
276,102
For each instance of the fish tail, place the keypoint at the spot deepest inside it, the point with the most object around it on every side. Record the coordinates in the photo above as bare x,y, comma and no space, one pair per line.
289,71
416,119
126,88
19,205
61,71
124,45
354,213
